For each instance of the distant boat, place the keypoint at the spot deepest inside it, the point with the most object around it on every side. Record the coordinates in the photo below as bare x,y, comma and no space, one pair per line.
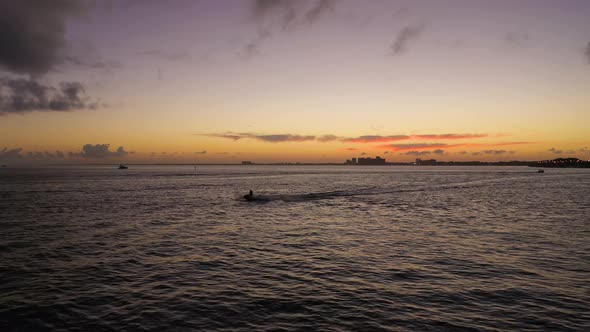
121,166
541,171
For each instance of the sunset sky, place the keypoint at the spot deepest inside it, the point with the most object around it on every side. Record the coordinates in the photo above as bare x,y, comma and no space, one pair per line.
293,80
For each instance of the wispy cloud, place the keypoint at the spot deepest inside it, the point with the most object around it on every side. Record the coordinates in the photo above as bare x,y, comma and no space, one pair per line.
318,9
459,140
415,146
288,14
105,66
416,153
181,56
404,38
554,150
375,139
494,152
283,15
250,50
284,138
448,136
275,138
393,138
327,138
517,39
439,152
231,136
511,143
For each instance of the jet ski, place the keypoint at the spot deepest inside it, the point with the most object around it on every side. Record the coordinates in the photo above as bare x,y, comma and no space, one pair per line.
249,196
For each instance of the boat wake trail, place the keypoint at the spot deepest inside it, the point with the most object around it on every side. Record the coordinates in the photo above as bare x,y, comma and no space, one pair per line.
373,191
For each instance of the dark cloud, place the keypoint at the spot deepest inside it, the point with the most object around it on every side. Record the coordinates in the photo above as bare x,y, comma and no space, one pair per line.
404,37
32,42
439,151
22,95
462,152
587,52
554,150
32,33
201,152
101,151
167,56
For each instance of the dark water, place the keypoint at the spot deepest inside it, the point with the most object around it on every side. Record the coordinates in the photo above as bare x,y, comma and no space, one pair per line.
325,248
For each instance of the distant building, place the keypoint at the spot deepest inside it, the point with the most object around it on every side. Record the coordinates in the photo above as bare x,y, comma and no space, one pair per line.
563,162
366,161
425,162
370,161
247,162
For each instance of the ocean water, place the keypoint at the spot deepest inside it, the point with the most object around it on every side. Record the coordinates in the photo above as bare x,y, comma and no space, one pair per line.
327,248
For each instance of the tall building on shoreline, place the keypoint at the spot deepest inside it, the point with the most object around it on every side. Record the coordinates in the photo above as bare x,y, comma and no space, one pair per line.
366,161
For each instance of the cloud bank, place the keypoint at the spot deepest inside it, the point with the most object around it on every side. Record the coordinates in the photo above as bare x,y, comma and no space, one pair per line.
22,96
101,151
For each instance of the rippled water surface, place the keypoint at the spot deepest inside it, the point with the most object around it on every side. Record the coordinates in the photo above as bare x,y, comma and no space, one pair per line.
324,248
